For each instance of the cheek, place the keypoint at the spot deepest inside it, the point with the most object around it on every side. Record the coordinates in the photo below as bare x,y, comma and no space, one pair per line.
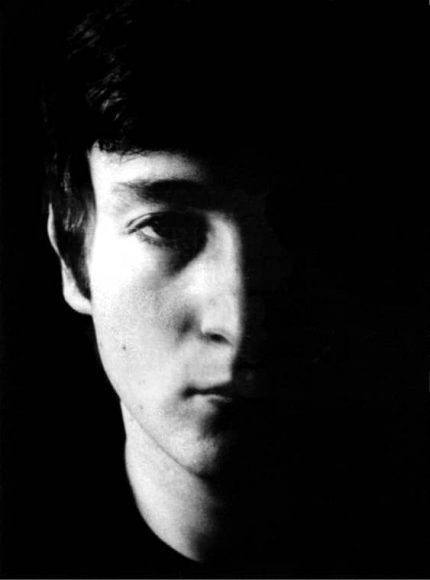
140,348
143,323
141,310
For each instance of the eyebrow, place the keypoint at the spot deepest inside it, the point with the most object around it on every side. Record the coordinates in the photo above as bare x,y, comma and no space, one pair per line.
174,191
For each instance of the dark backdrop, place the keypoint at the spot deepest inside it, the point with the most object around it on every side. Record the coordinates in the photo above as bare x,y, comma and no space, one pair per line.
363,231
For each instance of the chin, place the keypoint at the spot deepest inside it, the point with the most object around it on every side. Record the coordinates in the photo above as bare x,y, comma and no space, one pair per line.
209,457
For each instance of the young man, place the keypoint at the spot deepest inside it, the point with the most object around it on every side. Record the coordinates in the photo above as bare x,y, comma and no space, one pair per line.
158,211
249,329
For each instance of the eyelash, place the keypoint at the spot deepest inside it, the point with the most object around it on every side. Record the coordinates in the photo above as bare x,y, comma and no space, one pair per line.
192,230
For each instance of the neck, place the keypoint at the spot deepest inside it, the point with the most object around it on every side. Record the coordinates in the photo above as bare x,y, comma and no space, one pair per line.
189,513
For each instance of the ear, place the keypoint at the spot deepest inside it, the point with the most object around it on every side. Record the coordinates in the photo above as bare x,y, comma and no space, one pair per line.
72,295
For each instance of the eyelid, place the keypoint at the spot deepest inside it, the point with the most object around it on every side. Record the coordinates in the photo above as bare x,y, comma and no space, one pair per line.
137,223
189,238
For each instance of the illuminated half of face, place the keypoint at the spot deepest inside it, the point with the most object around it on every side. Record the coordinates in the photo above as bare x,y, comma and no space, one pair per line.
165,266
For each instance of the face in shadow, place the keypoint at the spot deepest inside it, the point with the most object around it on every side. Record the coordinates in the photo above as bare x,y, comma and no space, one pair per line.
184,273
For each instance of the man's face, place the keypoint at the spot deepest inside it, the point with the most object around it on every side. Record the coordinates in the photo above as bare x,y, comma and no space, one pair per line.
167,252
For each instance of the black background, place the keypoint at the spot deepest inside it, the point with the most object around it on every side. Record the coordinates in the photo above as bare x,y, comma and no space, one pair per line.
363,229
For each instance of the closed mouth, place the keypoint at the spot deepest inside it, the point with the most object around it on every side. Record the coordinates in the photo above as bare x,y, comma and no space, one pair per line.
222,392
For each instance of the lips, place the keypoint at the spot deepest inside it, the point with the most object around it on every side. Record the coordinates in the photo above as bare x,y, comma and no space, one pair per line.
250,382
227,392
245,379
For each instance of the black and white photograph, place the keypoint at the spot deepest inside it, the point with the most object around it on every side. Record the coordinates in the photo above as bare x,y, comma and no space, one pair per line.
214,294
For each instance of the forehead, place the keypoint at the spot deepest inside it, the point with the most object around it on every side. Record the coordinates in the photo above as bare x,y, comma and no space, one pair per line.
121,180
111,170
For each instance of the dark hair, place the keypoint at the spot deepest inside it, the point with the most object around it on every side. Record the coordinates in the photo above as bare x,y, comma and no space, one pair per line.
157,75
130,76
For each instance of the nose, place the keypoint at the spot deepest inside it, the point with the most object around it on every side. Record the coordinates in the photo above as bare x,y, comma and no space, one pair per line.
239,285
219,282
235,295
236,278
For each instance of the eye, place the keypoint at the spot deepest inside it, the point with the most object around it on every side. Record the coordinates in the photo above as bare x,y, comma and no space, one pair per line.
176,230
